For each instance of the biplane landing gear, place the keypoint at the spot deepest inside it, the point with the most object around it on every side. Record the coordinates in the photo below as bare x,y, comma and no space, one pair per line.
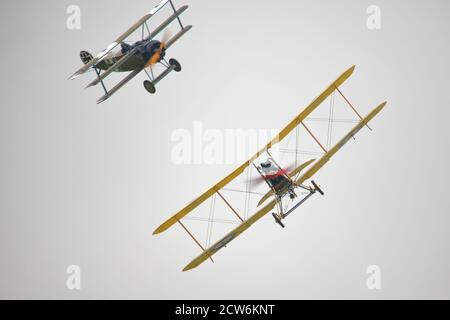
277,219
176,64
149,86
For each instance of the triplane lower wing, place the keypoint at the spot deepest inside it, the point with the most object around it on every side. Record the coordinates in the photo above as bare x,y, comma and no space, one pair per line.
137,56
282,184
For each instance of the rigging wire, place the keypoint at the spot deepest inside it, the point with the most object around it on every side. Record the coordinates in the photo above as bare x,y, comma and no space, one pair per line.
210,220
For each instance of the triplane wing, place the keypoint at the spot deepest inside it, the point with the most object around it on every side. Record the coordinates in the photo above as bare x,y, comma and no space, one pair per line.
136,57
291,180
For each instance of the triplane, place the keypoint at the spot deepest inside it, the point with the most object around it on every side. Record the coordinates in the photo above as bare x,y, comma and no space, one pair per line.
137,56
288,189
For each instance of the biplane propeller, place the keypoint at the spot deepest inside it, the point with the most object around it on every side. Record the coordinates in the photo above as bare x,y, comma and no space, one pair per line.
283,184
138,56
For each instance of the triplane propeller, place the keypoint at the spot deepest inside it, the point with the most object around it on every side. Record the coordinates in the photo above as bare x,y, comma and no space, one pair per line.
139,56
288,189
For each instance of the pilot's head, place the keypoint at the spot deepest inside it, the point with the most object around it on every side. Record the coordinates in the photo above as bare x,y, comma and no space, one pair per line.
266,164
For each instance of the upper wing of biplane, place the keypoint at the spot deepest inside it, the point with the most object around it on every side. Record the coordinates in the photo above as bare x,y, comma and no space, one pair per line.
281,135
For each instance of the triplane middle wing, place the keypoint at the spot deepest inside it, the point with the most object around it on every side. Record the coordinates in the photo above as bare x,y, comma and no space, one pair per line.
282,184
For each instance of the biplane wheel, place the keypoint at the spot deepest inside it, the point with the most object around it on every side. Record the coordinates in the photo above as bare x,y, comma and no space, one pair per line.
176,64
277,219
316,187
149,86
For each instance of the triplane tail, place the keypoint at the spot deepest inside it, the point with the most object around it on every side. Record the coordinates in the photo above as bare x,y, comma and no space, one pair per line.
327,156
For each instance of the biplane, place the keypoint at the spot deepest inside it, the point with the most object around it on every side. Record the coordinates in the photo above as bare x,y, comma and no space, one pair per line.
294,186
137,56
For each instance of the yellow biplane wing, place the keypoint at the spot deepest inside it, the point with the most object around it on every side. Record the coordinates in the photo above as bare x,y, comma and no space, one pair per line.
267,208
281,135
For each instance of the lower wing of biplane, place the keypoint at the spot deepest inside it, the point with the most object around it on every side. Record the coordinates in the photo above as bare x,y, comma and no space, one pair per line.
136,57
289,181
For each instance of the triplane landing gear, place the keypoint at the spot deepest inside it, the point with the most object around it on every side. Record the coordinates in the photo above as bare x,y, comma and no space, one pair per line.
279,217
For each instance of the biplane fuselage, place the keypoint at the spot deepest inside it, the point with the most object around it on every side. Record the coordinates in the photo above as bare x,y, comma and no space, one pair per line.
276,178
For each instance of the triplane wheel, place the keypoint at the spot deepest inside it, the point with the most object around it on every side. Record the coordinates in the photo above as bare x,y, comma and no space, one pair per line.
277,219
316,187
176,64
149,86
